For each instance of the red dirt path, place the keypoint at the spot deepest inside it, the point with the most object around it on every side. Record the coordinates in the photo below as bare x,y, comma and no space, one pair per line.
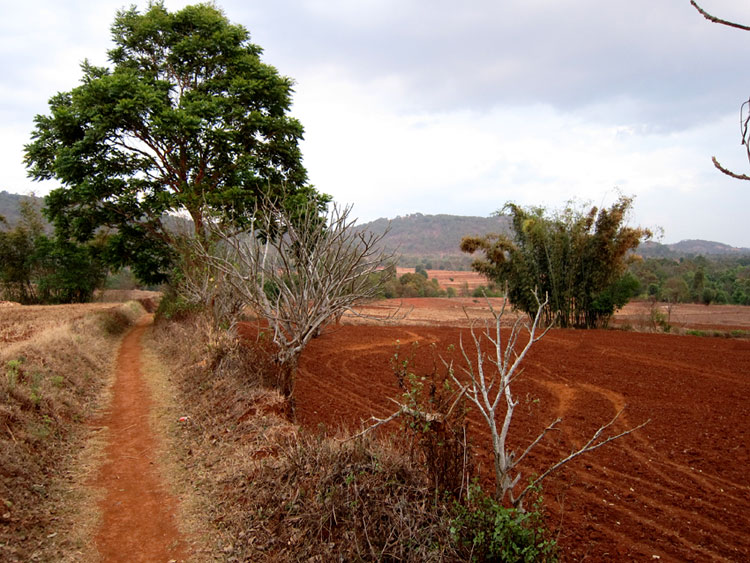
138,514
676,490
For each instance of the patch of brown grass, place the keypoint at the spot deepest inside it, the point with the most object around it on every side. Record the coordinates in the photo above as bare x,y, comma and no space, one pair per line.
22,322
265,490
49,383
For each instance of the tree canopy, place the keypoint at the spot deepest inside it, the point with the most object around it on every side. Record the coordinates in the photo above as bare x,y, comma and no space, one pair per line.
577,258
187,116
35,268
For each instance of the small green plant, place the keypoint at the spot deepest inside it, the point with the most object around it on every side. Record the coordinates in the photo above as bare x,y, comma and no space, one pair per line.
493,532
13,372
42,430
659,320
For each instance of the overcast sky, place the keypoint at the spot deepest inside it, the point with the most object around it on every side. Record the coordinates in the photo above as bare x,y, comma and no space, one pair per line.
458,107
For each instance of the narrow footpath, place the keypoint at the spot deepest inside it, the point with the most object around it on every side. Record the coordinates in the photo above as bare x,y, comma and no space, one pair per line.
138,513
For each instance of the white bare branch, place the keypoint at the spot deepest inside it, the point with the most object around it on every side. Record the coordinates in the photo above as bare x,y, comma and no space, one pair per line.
591,445
299,272
485,391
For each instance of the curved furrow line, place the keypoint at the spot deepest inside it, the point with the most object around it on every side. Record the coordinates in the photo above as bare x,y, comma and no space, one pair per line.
672,365
643,518
702,515
662,483
715,483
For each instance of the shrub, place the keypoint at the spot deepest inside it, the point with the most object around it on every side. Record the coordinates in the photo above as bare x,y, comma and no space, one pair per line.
496,533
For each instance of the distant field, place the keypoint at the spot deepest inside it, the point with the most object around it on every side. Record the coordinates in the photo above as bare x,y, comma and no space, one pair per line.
21,322
451,278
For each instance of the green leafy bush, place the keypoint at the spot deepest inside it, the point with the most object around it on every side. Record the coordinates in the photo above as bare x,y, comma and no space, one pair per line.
496,533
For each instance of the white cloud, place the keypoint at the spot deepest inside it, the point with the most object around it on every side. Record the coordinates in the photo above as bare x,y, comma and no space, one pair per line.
443,107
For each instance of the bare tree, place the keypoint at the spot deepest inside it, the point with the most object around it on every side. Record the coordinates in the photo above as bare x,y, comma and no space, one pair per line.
305,276
486,381
744,108
198,281
489,387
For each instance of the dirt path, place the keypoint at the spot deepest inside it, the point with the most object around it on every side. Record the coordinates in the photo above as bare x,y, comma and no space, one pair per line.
138,514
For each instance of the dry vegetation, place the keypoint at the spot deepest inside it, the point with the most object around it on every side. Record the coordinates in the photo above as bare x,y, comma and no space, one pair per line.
22,322
49,384
271,491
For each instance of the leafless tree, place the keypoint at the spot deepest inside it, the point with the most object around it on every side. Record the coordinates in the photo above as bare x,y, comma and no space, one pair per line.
299,272
486,381
744,108
201,283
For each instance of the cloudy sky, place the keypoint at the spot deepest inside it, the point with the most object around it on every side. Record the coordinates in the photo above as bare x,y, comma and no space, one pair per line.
458,107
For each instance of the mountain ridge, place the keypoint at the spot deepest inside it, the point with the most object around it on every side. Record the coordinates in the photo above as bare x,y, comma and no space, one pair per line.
434,240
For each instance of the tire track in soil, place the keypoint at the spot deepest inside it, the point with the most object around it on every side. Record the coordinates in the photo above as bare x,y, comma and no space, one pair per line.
673,490
138,515
565,394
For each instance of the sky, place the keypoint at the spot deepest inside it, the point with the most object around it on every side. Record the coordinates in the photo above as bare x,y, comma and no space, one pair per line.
434,107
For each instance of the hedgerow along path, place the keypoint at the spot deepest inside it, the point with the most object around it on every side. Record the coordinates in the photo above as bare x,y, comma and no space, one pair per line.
138,515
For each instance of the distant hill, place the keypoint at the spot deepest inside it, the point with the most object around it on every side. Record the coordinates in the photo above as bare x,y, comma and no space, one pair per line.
10,206
686,248
434,240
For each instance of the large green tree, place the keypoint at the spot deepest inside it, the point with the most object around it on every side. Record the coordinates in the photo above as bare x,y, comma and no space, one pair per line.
577,258
186,118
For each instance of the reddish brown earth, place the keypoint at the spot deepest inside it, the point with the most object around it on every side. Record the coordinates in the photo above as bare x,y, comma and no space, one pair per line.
138,514
676,490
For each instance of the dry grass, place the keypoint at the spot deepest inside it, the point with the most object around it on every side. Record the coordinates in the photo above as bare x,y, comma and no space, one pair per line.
20,323
264,490
49,384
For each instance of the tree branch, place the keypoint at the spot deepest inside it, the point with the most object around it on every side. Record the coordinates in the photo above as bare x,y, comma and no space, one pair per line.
589,446
714,19
729,172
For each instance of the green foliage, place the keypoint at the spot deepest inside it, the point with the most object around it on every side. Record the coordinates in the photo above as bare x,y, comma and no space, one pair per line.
37,269
496,533
697,279
12,371
413,285
577,258
187,117
174,306
491,291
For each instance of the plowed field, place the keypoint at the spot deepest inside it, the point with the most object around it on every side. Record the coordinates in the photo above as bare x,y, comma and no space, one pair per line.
676,490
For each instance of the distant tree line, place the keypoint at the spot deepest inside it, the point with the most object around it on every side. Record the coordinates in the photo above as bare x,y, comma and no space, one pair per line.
37,268
418,284
722,280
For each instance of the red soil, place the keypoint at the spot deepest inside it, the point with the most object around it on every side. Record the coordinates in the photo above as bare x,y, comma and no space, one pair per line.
138,514
677,489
